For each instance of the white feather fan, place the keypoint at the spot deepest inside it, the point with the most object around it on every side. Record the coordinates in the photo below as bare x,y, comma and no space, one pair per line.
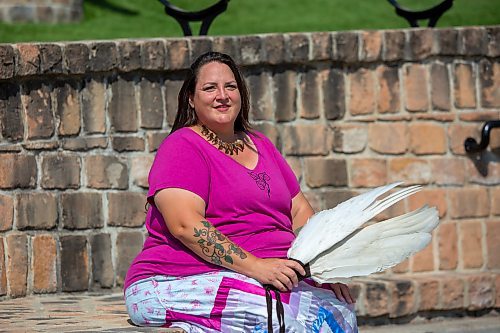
335,247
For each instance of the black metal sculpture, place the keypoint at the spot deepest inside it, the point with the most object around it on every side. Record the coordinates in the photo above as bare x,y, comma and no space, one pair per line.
432,14
471,145
206,16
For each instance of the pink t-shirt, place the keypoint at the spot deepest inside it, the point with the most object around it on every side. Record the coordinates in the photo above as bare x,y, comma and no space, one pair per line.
250,207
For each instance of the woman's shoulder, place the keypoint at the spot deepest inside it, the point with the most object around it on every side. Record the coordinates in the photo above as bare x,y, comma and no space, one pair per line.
182,136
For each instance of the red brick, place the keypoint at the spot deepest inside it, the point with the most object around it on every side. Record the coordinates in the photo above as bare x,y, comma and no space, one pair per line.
321,43
68,108
402,267
349,138
452,292
448,171
334,94
130,55
321,171
7,59
36,210
84,143
298,47
274,46
429,294
388,138
41,145
388,100
484,173
296,165
60,171
285,95
154,139
309,95
305,139
3,270
139,170
448,246
81,210
481,292
250,49
6,212
39,118
126,209
369,172
127,143
415,82
403,298
177,53
471,239
377,299
103,56
362,92
490,81
423,261
106,172
314,200
17,171
270,130
44,264
11,111
464,86
497,291
153,54
102,261
224,44
480,116
493,244
410,170
431,197
151,103
17,264
440,87
371,45
468,202
427,138
334,197
172,88
74,263
122,107
421,43
28,61
94,107
128,245
457,134
347,46
261,107
495,199
394,45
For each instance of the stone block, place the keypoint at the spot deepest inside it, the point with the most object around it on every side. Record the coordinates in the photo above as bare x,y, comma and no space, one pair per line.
471,241
36,211
362,92
82,210
51,58
325,172
403,298
489,75
94,106
314,200
305,139
334,95
415,83
427,138
126,209
481,292
388,137
122,107
74,263
154,140
394,45
297,48
151,103
447,40
469,202
350,138
367,172
322,46
153,54
251,50
388,100
17,171
7,61
172,88
464,90
103,56
376,299
128,245
27,60
37,102
493,35
309,91
270,131
68,108
127,143
84,144
371,45
261,106
421,43
177,53
423,261
440,87
11,113
228,45
452,292
493,244
60,171
76,58
139,169
44,263
334,197
6,212
347,46
473,41
104,172
429,294
285,95
17,264
410,170
199,46
129,54
102,261
3,269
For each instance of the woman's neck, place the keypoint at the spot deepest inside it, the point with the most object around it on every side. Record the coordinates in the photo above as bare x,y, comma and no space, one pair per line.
226,134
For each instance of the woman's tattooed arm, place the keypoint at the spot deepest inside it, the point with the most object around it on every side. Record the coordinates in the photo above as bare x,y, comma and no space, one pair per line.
216,246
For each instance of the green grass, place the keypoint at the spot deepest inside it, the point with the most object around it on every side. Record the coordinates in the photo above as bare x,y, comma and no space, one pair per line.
110,19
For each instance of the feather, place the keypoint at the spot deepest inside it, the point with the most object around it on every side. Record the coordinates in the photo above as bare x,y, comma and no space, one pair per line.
329,227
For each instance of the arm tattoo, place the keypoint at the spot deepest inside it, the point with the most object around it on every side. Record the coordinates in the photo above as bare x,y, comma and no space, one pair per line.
216,246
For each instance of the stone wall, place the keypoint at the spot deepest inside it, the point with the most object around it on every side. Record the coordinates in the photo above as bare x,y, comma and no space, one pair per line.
80,123
47,11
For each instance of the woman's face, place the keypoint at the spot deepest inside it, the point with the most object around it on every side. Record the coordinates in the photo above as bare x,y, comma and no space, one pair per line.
216,97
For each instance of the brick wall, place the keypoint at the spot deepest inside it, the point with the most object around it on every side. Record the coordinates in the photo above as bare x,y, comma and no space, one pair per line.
48,11
80,123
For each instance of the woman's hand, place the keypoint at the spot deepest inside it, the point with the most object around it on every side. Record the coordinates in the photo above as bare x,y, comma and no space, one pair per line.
280,273
342,292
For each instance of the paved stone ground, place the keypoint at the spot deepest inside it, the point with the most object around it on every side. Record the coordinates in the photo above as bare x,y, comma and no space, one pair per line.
106,313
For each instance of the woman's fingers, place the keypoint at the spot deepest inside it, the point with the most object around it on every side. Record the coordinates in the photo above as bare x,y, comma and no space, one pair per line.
337,291
342,292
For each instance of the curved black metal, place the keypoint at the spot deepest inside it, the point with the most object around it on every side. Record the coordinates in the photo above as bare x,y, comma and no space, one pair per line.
432,14
206,16
471,145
